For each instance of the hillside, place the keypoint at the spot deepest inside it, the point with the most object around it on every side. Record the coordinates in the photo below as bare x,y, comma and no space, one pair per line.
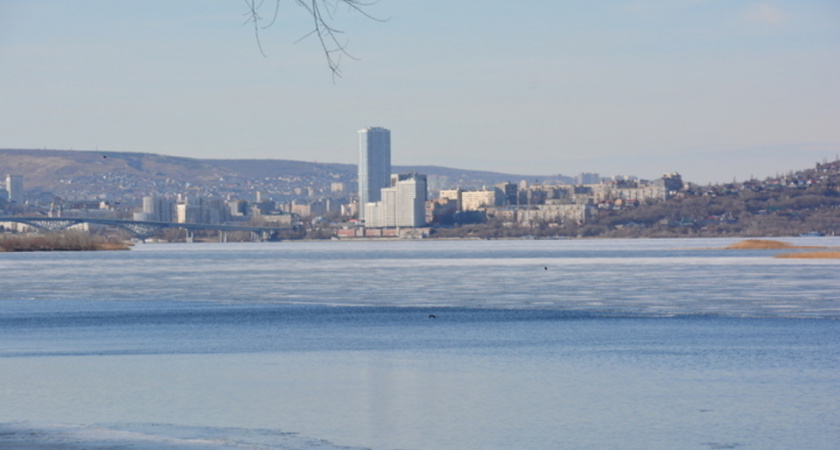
50,170
126,177
272,168
801,202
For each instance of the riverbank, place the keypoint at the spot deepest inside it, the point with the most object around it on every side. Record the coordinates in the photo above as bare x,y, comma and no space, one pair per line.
57,242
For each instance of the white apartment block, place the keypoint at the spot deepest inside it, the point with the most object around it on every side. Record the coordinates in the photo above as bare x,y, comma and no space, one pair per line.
157,209
401,205
478,200
606,192
452,194
579,213
14,188
202,210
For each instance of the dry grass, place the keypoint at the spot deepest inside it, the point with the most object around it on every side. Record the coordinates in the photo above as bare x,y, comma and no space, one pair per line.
111,246
767,244
759,244
64,241
810,255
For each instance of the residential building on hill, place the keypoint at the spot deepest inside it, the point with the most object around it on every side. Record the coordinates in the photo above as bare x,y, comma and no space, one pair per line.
477,200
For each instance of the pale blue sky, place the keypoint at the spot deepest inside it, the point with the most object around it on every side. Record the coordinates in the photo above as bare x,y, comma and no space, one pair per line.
712,89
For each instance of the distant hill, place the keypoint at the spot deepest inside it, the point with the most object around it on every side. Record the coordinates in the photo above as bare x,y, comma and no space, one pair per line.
263,168
469,178
45,169
122,176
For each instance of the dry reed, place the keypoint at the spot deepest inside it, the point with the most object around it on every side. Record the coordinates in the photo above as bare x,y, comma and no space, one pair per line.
767,244
810,255
759,244
62,241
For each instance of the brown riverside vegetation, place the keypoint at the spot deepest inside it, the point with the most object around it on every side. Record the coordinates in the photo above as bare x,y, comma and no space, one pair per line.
810,255
759,244
766,244
64,241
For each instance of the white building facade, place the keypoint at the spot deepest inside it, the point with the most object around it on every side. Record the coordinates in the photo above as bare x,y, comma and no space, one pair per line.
478,200
14,188
157,209
401,205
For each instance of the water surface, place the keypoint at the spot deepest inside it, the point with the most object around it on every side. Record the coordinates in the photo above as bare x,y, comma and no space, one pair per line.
533,344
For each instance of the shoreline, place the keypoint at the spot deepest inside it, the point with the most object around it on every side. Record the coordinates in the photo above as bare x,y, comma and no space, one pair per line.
16,243
58,242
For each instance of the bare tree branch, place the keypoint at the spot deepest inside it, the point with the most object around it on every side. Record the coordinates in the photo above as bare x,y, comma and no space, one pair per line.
253,16
322,13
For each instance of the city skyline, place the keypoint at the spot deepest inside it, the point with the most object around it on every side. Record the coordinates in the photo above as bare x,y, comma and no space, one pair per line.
715,90
800,202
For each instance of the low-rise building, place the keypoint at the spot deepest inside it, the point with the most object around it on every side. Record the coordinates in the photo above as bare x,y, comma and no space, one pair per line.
478,200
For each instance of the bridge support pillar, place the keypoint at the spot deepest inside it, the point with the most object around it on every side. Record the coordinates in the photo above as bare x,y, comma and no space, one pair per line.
224,235
190,236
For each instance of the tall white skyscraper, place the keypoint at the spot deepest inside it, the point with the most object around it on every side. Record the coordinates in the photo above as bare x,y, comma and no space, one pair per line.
374,165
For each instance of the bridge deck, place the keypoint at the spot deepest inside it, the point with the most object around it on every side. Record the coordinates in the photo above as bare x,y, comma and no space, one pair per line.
136,227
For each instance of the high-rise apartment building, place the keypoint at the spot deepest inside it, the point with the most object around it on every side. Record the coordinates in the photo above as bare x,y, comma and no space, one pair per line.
14,186
402,205
588,178
506,194
201,210
374,165
411,193
159,209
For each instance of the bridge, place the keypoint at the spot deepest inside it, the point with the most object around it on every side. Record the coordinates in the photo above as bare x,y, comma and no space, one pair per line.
142,229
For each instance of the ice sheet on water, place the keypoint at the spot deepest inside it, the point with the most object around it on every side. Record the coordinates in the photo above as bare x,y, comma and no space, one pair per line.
656,277
150,437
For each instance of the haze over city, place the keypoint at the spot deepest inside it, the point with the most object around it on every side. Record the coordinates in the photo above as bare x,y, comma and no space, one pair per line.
713,90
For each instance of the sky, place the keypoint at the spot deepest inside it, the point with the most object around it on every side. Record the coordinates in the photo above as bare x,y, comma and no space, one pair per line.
713,89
